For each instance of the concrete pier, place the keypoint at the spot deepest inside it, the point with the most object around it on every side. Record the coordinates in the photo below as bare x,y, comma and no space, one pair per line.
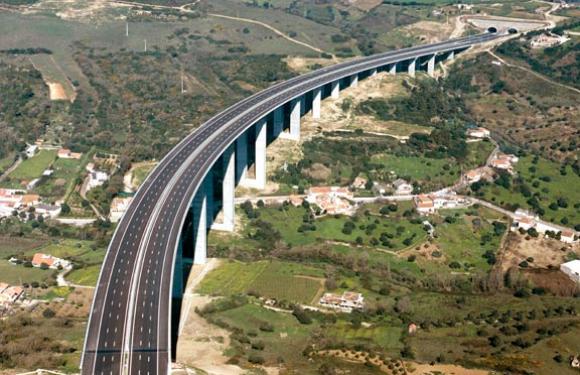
316,102
294,133
412,65
373,72
354,80
335,90
278,121
228,191
200,225
241,158
393,69
431,66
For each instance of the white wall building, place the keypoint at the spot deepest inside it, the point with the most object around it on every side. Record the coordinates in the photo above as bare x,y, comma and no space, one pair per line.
572,269
96,178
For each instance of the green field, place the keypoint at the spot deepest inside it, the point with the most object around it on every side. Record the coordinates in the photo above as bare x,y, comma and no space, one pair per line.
30,168
86,260
330,228
87,276
52,72
548,184
280,280
62,180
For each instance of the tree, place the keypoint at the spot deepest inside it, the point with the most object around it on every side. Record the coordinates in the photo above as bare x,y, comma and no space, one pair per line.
65,208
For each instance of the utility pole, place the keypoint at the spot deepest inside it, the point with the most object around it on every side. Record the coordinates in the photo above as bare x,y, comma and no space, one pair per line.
127,29
145,45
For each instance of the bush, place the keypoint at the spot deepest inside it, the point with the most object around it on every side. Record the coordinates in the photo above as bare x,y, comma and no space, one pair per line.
48,313
258,345
301,315
266,327
256,359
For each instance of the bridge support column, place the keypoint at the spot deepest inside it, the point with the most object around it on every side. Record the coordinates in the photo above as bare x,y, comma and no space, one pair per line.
373,72
302,105
278,121
354,80
228,191
200,224
261,130
412,65
316,102
259,181
451,56
295,111
393,69
335,89
431,66
241,158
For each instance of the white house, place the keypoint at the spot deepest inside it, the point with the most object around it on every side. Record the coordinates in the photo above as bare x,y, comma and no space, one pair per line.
478,133
402,187
96,178
118,207
31,150
348,302
52,262
424,204
48,210
567,236
572,269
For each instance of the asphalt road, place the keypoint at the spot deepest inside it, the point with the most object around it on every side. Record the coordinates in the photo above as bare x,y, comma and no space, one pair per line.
129,326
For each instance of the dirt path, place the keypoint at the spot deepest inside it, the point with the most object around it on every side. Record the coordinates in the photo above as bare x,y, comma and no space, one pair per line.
532,72
12,168
201,344
273,29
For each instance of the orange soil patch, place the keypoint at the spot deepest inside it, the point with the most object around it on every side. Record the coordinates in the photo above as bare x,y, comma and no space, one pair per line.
56,91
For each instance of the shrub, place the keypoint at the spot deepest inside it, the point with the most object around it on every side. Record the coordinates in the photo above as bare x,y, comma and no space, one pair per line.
256,359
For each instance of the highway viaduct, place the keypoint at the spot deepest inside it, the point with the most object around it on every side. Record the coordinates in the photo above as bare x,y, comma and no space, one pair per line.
129,329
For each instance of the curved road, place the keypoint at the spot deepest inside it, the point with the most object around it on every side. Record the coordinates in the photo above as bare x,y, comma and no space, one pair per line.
129,326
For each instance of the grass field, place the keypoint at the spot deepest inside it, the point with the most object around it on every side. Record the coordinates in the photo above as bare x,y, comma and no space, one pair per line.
437,171
388,337
81,253
85,276
330,228
31,168
62,180
548,184
287,341
280,280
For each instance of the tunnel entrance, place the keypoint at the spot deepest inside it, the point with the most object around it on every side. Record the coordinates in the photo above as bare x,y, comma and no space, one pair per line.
492,29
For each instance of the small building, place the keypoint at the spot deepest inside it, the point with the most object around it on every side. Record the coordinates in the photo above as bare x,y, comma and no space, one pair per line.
96,178
575,362
424,204
347,302
568,236
504,162
359,183
48,210
65,153
29,200
11,294
572,269
332,199
525,223
547,40
412,329
31,150
118,207
473,176
402,187
478,133
295,200
52,262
